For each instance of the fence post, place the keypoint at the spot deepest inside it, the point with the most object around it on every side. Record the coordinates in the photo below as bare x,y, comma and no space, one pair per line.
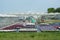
17,29
38,28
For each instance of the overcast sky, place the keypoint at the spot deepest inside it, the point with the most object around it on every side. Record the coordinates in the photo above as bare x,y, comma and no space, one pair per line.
27,5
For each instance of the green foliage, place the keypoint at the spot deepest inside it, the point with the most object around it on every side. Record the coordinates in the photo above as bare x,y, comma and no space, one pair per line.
51,10
57,10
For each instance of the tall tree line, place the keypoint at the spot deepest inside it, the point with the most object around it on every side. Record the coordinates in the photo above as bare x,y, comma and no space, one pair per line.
53,10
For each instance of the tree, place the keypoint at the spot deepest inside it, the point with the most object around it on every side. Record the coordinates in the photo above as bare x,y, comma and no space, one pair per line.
51,10
57,10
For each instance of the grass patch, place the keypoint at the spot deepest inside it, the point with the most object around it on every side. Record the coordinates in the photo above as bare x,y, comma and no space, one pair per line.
29,36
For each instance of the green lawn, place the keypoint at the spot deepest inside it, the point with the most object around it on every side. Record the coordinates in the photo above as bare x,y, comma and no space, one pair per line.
30,36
